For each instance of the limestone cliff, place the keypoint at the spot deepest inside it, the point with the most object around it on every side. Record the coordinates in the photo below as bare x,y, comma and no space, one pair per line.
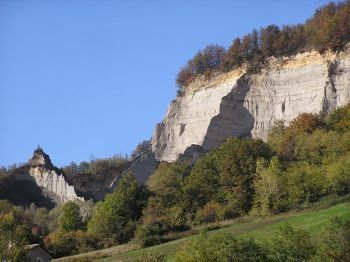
240,104
50,179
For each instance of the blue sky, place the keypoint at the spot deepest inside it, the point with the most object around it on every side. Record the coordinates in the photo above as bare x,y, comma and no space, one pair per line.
93,77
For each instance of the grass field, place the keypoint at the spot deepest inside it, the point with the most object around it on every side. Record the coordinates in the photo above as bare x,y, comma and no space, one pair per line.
310,220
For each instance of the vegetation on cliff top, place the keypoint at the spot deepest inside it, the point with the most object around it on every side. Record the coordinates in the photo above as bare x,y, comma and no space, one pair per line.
329,28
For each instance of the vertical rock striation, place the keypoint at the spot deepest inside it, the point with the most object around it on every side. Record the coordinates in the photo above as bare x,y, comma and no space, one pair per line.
238,104
50,179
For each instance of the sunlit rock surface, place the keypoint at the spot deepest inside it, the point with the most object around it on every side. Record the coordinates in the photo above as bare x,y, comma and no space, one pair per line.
237,104
50,179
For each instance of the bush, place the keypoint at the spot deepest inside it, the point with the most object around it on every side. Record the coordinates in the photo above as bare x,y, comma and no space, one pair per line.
290,244
221,248
13,237
334,242
211,212
150,235
60,243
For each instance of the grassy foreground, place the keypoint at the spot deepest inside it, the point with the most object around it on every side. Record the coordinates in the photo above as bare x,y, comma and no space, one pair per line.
310,220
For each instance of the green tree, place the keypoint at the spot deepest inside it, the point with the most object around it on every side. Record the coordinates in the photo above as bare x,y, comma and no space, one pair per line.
13,238
339,120
338,175
305,183
165,210
114,218
70,219
269,186
226,175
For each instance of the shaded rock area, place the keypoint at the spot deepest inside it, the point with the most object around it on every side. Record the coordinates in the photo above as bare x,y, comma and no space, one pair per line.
21,189
142,167
38,182
192,154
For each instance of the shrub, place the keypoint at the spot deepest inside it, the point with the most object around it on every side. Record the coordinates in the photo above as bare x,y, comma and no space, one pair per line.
290,244
221,248
211,212
334,242
60,243
13,237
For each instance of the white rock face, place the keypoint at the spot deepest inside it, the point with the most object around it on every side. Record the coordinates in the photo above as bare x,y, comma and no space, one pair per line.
54,184
50,180
236,104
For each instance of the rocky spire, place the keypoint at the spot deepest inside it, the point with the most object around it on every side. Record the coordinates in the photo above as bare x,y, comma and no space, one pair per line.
51,179
40,158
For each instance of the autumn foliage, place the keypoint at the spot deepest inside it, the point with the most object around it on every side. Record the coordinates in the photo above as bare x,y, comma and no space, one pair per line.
328,29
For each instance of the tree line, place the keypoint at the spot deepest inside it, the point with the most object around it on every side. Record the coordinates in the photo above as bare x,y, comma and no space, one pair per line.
327,29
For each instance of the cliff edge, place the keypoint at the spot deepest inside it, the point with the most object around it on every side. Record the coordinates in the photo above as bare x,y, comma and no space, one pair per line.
241,104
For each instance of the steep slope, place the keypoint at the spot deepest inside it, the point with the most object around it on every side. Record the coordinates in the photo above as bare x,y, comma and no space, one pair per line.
239,104
46,180
50,179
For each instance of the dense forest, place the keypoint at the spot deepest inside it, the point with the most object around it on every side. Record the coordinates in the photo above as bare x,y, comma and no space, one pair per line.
303,163
328,29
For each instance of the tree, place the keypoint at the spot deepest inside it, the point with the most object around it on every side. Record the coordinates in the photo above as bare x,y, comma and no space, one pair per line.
165,210
339,120
306,183
269,186
114,218
225,175
13,240
233,57
166,182
70,219
268,39
305,122
142,148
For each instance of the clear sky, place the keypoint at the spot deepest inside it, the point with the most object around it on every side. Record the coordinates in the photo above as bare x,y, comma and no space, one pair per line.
93,77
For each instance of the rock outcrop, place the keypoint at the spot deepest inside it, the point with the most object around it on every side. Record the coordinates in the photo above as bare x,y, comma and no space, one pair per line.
52,182
240,104
142,168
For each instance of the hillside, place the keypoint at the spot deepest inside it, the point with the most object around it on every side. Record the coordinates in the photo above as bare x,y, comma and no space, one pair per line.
312,221
258,136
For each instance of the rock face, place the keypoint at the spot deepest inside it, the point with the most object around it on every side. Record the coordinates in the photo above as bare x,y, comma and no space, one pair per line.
50,179
142,168
238,104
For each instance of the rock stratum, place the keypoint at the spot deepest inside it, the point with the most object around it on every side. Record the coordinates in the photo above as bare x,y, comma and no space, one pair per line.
241,104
